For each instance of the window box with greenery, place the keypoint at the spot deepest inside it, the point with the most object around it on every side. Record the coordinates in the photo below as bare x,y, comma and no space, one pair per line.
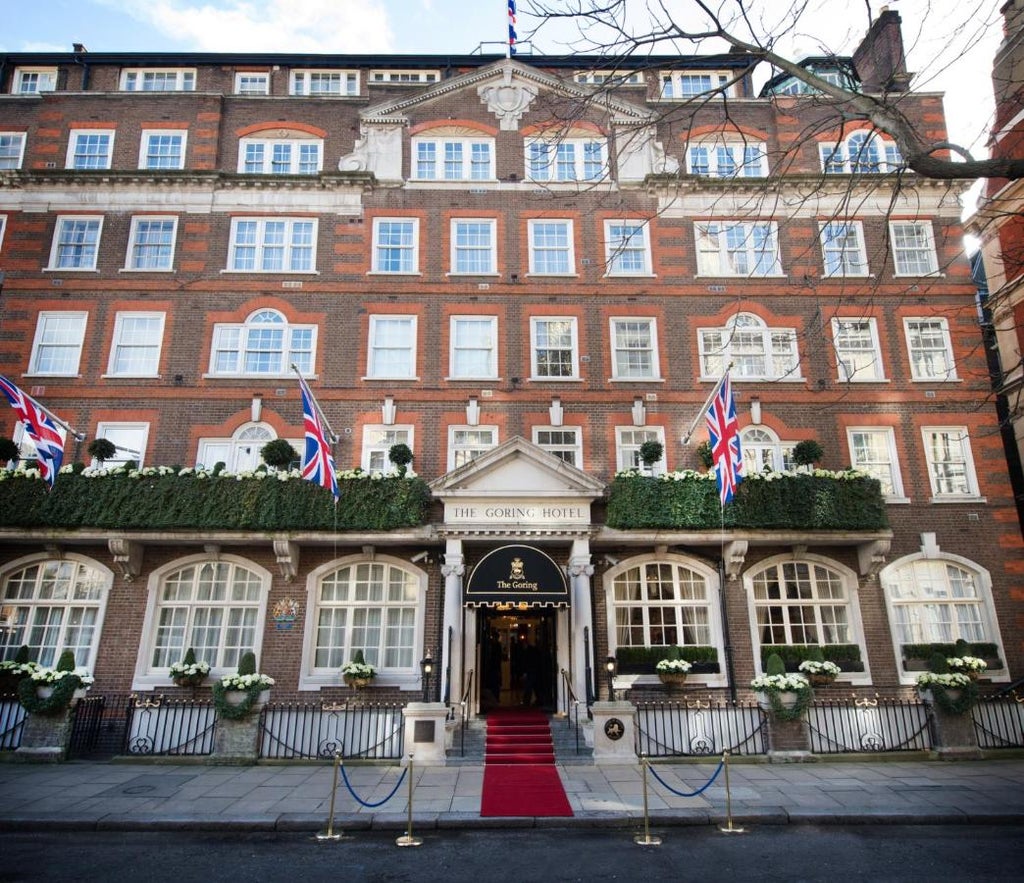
673,669
188,672
235,696
644,660
688,500
172,498
846,657
916,657
358,673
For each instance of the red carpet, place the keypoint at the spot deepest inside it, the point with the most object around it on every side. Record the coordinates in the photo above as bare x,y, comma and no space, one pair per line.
520,778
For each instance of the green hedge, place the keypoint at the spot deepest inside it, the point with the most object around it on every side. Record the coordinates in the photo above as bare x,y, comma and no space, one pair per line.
651,655
800,502
188,502
846,656
983,650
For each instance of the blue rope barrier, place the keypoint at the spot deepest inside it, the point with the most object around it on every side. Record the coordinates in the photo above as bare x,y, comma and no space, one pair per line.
696,793
362,802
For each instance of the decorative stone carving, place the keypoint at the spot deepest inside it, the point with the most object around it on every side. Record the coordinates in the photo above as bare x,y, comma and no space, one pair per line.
287,554
456,568
735,556
508,101
127,556
581,567
379,150
871,557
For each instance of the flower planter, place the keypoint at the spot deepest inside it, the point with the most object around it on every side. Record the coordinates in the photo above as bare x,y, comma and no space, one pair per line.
787,699
673,680
46,691
357,683
821,680
237,697
189,680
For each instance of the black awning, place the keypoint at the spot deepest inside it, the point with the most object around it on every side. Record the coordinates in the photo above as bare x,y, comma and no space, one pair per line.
517,575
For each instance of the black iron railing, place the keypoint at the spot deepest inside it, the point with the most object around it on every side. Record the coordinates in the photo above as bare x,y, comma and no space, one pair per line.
699,728
316,731
868,725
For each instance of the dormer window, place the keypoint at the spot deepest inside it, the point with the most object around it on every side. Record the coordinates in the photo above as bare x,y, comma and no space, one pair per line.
836,76
324,83
683,85
32,80
169,80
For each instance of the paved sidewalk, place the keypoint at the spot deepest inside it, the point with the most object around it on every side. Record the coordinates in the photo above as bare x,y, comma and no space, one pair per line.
84,795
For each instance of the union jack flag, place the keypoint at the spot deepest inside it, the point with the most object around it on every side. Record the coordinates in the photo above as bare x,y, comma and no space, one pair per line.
39,427
512,27
317,461
724,432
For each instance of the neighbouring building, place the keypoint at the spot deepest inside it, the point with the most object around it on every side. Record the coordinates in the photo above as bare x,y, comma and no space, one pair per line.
524,269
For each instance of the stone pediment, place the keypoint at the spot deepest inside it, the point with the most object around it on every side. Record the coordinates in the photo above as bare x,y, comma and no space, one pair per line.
517,468
507,88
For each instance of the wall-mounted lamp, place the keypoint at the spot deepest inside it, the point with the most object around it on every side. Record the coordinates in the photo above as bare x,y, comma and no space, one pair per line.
639,412
609,666
387,411
256,409
555,413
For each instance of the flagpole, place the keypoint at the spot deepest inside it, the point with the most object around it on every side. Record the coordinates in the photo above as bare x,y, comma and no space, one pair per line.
707,402
319,410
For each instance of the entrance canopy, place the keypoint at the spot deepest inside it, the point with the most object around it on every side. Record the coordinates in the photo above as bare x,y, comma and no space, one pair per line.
517,577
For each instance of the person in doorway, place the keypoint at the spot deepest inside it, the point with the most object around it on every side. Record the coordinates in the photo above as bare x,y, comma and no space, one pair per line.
495,656
531,671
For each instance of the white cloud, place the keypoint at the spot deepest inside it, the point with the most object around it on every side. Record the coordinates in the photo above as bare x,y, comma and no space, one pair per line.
331,26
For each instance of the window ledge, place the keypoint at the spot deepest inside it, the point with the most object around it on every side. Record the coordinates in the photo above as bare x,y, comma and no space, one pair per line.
146,270
788,378
863,380
935,275
627,276
737,276
129,377
231,272
939,380
70,270
967,498
636,380
75,376
552,275
392,379
471,275
411,273
896,501
554,379
284,375
450,379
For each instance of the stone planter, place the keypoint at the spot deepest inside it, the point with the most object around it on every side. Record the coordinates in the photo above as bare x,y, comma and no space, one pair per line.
821,680
786,699
44,691
673,680
237,697
189,680
357,683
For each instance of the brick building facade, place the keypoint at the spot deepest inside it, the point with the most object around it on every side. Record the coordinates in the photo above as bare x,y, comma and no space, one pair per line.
524,269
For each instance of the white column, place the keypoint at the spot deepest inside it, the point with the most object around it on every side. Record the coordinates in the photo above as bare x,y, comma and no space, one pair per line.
452,569
580,572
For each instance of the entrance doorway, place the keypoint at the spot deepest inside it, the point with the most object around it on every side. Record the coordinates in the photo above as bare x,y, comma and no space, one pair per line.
517,658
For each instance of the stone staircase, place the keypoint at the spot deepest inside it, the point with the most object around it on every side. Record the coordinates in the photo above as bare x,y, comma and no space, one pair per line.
563,738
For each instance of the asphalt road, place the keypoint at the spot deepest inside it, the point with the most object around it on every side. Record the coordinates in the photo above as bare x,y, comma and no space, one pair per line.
785,853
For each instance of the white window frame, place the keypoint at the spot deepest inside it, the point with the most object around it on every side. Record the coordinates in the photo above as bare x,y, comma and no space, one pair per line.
624,344
679,85
842,249
242,451
441,164
627,248
403,77
860,153
13,158
376,346
565,446
882,462
461,250
137,249
88,579
923,251
135,79
145,149
466,443
71,338
723,245
761,447
3,229
290,249
923,353
46,80
727,158
962,461
628,440
300,83
609,78
83,248
131,440
819,601
245,79
488,347
152,349
75,136
567,160
268,163
368,574
408,252
847,368
149,676
563,250
242,341
779,349
574,344
377,441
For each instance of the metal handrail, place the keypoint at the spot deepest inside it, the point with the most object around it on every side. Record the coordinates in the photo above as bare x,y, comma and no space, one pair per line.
464,704
574,711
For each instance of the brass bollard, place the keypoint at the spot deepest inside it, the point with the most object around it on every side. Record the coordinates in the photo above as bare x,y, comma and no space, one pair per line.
329,836
646,839
728,828
407,839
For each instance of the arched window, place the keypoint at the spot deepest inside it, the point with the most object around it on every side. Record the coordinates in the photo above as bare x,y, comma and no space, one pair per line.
264,345
661,603
239,453
763,452
213,606
804,601
374,606
52,605
862,152
755,350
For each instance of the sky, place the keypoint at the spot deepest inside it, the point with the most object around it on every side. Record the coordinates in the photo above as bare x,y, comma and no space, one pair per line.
950,43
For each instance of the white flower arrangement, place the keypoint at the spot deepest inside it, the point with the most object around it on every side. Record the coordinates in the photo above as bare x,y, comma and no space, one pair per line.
358,670
813,667
245,682
786,683
673,666
10,667
966,664
955,680
44,677
189,670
